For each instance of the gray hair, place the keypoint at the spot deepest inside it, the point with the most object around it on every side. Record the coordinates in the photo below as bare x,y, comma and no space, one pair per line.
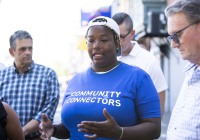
190,8
20,34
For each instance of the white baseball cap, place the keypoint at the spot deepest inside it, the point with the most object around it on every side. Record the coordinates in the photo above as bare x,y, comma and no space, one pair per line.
105,21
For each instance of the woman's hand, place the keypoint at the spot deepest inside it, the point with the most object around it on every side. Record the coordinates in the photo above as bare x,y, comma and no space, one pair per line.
108,128
46,128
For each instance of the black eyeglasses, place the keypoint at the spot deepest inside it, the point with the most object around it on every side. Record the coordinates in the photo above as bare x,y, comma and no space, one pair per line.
175,37
124,36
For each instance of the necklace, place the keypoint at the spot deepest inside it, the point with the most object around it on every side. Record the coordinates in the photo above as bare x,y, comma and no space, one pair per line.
103,72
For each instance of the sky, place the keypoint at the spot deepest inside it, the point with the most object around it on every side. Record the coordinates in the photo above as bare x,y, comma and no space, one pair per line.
53,24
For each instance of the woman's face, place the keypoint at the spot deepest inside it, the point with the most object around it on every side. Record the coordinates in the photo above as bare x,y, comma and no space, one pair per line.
102,48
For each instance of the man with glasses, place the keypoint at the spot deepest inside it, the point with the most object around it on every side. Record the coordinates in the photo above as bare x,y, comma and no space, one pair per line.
184,30
133,54
175,36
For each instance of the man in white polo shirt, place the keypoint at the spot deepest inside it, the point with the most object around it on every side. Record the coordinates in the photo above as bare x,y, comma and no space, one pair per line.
133,54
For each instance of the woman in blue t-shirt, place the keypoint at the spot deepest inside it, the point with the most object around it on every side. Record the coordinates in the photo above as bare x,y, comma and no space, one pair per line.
110,100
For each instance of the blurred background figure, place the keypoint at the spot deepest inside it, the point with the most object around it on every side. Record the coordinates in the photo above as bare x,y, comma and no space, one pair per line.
133,54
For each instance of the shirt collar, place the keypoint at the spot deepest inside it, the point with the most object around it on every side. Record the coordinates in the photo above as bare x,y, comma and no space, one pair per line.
29,68
190,66
135,50
193,73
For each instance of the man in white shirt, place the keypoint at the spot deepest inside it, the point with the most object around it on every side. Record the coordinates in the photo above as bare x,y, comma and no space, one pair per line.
183,22
133,54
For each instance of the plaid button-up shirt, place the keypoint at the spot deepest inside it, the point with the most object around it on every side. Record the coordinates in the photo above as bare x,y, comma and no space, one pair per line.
32,93
185,118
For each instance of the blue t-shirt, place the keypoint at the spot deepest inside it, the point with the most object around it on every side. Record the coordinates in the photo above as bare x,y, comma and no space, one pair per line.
126,92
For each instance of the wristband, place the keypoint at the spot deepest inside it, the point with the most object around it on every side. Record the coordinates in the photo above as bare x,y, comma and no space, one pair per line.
121,133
